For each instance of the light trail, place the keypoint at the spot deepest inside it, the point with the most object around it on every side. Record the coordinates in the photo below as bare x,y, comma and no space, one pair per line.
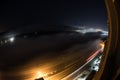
93,55
102,45
65,78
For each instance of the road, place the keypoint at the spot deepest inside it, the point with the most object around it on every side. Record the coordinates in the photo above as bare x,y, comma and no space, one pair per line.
75,67
53,64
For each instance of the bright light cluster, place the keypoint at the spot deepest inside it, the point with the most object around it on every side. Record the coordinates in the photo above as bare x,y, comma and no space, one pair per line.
11,39
102,45
92,30
39,75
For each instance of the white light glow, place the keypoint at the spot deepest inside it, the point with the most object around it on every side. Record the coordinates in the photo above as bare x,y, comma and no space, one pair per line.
11,39
92,30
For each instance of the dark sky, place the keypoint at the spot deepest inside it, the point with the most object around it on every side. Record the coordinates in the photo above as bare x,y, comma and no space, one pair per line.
90,13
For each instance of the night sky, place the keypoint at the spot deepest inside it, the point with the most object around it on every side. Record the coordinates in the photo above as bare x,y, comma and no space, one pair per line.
90,13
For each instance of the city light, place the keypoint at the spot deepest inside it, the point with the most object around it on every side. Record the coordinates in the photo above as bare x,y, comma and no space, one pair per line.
86,30
39,75
11,39
102,45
